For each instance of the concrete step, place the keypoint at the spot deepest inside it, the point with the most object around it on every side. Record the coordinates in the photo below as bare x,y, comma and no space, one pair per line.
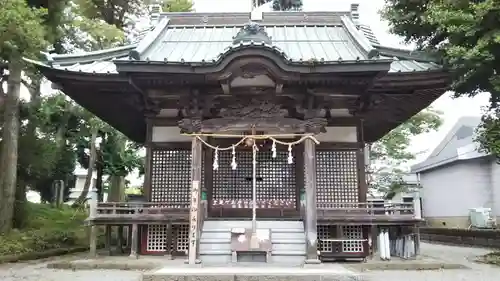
289,247
214,240
289,253
288,241
215,252
204,247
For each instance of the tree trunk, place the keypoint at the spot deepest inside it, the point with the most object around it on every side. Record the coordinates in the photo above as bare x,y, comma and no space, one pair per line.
116,189
88,180
60,140
20,214
9,147
20,203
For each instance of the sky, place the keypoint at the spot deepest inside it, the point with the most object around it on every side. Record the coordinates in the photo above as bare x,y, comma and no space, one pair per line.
451,108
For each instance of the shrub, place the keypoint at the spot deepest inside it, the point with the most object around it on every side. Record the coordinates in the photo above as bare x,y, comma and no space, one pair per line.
46,228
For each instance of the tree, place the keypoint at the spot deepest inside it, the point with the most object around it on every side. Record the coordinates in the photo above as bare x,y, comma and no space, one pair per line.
467,36
21,34
391,152
283,5
177,6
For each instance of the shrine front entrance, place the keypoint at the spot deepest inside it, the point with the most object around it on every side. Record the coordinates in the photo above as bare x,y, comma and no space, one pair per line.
277,188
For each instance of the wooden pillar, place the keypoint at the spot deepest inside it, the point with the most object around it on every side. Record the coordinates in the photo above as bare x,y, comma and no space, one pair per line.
196,154
109,233
119,239
310,212
134,243
148,161
93,228
363,186
417,240
93,241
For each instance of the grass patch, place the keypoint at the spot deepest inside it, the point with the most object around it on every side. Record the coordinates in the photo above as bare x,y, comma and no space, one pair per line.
46,228
491,258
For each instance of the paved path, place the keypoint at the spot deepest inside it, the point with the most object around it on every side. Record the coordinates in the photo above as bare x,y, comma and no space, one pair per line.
462,255
478,272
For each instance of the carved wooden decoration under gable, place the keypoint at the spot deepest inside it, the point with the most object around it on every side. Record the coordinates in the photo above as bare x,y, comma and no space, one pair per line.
262,113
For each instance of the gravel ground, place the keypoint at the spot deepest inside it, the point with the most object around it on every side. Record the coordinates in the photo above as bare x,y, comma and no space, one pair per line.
479,272
462,255
39,272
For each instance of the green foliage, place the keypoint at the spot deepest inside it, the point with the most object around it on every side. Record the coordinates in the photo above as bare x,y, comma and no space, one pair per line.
394,146
85,31
488,133
283,5
117,13
21,30
467,35
46,228
391,152
177,6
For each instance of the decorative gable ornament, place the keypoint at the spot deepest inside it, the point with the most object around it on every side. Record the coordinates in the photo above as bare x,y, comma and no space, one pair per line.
252,32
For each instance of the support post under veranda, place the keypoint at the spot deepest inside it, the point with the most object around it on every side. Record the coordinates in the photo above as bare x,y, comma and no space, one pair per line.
93,228
134,243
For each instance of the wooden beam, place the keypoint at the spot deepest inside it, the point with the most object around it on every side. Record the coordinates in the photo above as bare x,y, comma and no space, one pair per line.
310,213
332,122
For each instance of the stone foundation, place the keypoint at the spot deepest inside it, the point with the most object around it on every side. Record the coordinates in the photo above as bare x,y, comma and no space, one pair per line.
489,238
448,222
330,273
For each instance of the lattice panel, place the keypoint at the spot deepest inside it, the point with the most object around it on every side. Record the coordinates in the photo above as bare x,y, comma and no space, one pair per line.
336,176
171,176
182,237
352,232
157,238
328,233
275,179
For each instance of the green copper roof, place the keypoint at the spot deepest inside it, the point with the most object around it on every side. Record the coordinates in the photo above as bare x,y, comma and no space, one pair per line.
178,38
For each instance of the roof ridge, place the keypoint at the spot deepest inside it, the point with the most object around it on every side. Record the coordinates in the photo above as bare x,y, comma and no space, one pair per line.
289,17
359,38
84,57
149,39
416,55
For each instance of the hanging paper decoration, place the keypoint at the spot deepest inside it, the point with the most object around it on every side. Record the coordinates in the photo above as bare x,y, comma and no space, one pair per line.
251,141
216,159
273,149
233,162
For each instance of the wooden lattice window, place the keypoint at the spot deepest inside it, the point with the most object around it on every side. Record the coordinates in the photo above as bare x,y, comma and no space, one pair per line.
336,177
275,179
171,176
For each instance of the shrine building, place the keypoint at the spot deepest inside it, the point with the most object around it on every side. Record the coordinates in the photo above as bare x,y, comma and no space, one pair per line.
255,130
